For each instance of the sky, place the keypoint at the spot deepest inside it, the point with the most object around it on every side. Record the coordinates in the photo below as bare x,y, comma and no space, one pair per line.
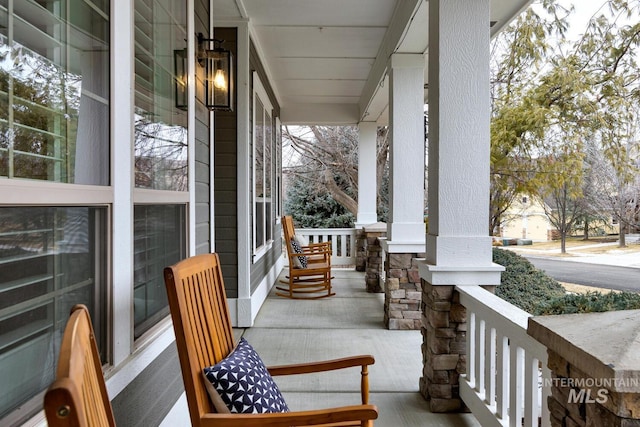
583,12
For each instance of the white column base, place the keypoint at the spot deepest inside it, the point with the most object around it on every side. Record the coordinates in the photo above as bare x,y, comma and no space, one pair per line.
397,247
243,312
461,276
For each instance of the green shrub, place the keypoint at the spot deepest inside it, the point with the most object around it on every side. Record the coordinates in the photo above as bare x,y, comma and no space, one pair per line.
532,290
590,302
522,284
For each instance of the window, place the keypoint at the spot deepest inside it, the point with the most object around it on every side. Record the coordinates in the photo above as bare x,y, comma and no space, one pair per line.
50,260
278,172
54,128
262,169
159,241
54,91
160,127
160,157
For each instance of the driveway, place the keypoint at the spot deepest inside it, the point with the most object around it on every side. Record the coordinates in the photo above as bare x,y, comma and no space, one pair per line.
614,269
589,274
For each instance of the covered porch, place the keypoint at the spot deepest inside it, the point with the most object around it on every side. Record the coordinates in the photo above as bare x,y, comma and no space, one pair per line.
351,322
368,63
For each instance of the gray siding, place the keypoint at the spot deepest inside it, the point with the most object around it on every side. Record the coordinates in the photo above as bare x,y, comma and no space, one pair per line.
137,406
203,189
226,182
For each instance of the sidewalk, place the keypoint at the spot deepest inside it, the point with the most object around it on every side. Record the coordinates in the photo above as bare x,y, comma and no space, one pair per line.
614,256
349,323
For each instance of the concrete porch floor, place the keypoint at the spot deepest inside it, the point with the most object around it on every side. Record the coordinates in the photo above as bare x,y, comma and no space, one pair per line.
349,323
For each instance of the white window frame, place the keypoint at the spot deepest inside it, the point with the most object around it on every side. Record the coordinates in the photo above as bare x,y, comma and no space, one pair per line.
259,92
277,202
146,196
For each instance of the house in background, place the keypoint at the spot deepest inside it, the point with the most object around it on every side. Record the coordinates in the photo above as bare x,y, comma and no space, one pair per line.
113,166
526,219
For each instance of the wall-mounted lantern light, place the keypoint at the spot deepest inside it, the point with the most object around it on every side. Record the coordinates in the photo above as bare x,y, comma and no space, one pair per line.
181,72
218,64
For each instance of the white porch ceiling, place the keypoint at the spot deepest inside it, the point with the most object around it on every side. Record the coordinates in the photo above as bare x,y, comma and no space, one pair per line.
327,59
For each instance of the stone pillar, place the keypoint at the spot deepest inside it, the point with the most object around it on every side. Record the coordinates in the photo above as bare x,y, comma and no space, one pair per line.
595,367
403,291
458,243
373,250
444,350
367,174
361,254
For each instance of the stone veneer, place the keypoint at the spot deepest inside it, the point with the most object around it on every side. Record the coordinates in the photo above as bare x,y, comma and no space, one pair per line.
595,364
369,255
403,291
444,347
361,254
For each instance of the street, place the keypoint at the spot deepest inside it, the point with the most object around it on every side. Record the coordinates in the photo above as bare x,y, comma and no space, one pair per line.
597,275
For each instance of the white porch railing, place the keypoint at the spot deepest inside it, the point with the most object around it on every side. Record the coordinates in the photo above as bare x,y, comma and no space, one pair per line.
507,376
343,243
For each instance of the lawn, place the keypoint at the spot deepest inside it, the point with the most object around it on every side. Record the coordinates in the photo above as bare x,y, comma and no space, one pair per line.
573,242
577,245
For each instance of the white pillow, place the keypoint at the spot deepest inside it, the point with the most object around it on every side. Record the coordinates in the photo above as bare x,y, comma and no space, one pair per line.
302,241
299,261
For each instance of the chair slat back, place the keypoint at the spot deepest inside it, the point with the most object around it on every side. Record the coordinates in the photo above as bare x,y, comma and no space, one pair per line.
78,397
289,231
202,324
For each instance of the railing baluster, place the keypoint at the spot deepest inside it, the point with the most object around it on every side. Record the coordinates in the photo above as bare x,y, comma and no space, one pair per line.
531,374
516,368
472,351
502,382
480,359
490,364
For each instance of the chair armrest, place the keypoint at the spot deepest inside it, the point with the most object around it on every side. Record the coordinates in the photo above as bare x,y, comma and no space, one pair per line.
321,247
322,366
317,244
287,419
311,253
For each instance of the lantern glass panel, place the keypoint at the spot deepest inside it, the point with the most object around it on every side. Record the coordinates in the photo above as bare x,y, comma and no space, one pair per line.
219,84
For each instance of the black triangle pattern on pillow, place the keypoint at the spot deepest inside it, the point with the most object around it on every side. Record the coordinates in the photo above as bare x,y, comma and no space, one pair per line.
298,249
244,383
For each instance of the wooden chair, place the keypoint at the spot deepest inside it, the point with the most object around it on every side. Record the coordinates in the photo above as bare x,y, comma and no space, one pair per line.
313,280
78,397
204,337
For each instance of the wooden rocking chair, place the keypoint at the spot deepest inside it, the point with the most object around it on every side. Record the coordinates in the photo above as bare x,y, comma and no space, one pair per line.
309,267
204,337
78,397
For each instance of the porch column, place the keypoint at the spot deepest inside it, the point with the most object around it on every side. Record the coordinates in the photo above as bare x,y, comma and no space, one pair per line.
458,241
367,203
367,177
405,228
